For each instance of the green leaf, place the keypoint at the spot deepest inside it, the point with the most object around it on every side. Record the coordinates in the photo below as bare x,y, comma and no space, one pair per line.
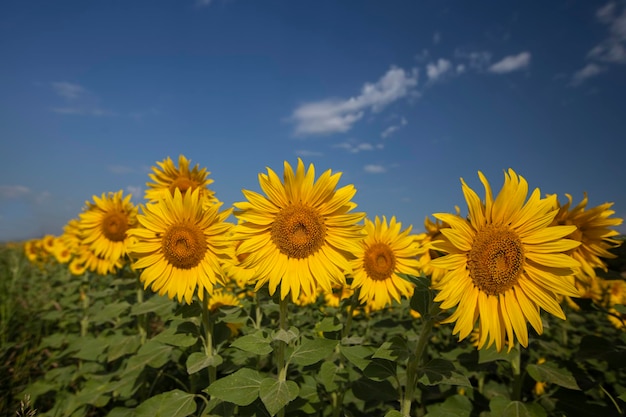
121,412
241,387
277,394
395,349
441,371
368,390
503,407
174,403
173,337
329,324
90,348
357,355
549,373
380,369
311,351
123,346
454,406
491,354
622,396
394,413
153,353
257,342
422,297
110,312
286,335
156,304
330,374
199,360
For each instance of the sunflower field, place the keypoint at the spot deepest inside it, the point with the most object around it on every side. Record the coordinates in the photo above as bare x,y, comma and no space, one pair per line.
293,303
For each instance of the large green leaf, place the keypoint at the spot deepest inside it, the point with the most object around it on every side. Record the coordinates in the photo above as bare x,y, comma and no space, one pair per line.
277,394
503,407
441,371
357,355
174,403
123,345
155,304
241,387
395,349
311,351
257,342
153,353
110,312
549,373
199,360
454,406
491,354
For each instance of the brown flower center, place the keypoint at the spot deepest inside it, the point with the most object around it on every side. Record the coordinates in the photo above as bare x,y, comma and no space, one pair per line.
184,245
183,184
115,225
379,261
496,259
298,231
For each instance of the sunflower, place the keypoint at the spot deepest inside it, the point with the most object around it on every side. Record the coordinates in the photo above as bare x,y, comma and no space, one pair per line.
167,178
180,246
104,225
594,233
433,233
301,235
504,263
384,253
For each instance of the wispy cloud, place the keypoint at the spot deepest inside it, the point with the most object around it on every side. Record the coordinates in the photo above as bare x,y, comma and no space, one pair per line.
339,115
374,169
511,63
588,71
68,90
437,70
436,38
613,48
357,147
392,129
13,192
120,169
308,153
475,60
77,100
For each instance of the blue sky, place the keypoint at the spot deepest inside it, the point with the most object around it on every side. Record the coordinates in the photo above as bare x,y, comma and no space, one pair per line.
402,97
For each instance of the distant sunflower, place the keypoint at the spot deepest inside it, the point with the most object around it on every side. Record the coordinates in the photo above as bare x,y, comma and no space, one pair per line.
433,233
167,178
504,263
301,234
221,298
384,253
180,246
104,225
594,233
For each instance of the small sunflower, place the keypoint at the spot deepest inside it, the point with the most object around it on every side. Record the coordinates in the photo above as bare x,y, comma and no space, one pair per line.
504,263
104,225
593,231
384,253
167,178
433,233
180,246
301,235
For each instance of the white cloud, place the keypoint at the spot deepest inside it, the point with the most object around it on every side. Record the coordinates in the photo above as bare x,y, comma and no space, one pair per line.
68,90
354,147
374,169
476,60
338,115
119,169
613,48
437,70
13,192
511,63
436,38
460,69
136,191
392,129
306,153
588,71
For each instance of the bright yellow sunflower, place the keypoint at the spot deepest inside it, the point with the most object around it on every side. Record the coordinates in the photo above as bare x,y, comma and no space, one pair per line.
180,246
504,263
433,233
105,223
167,177
593,231
384,253
301,235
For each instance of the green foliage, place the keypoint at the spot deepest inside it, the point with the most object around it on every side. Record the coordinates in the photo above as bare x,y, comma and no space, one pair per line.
101,346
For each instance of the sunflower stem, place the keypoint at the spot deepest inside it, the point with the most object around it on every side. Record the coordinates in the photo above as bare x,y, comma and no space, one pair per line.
280,351
415,361
516,393
207,323
354,300
84,297
141,319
